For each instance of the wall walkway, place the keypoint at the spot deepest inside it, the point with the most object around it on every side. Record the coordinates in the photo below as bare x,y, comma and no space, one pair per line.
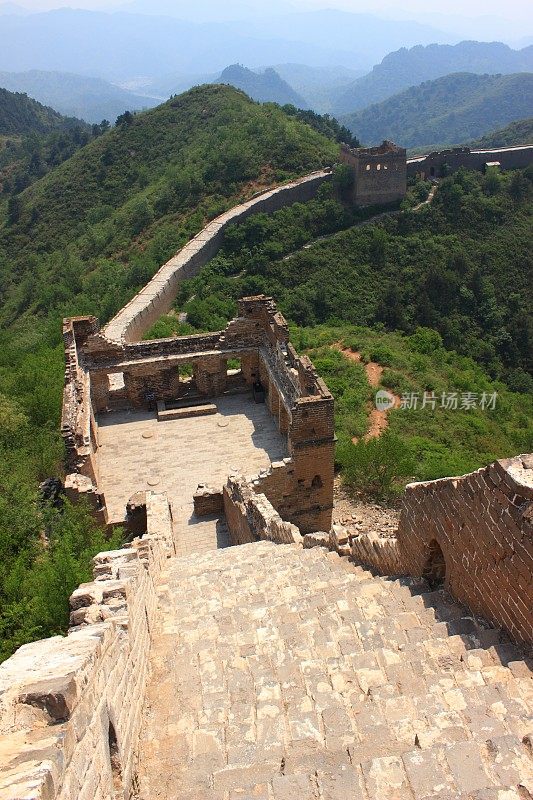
157,296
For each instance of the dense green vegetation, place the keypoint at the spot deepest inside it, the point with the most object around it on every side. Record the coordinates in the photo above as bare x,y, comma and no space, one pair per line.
20,115
520,132
25,159
425,442
106,219
325,124
44,552
448,110
461,266
83,239
33,141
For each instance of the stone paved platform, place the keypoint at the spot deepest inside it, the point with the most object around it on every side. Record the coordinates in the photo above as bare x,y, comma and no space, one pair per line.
282,673
137,452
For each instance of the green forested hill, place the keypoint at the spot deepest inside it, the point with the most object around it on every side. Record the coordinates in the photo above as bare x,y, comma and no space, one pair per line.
409,67
450,110
154,179
83,239
516,133
461,266
35,139
21,115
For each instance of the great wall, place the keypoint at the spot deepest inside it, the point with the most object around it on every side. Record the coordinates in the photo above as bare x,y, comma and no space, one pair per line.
240,645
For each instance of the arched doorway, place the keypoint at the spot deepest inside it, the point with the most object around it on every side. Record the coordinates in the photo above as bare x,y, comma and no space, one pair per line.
435,568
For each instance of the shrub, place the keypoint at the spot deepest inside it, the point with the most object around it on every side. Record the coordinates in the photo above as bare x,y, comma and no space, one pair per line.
383,356
425,340
376,466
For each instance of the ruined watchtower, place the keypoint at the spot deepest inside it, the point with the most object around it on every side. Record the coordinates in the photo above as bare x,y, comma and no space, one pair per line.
380,173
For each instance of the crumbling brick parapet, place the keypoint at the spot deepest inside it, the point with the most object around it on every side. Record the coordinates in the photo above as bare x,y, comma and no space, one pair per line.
251,517
61,697
475,534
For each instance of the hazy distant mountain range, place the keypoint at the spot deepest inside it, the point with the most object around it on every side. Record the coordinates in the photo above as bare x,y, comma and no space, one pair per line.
91,99
266,86
96,65
320,86
449,110
406,68
122,46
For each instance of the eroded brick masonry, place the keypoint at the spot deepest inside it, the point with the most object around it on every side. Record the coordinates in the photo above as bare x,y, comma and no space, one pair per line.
475,533
300,487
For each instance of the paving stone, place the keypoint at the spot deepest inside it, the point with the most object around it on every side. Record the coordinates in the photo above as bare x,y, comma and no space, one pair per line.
426,774
466,766
260,688
386,779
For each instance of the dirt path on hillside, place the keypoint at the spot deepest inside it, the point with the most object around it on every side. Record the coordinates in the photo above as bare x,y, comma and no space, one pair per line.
379,420
370,221
428,200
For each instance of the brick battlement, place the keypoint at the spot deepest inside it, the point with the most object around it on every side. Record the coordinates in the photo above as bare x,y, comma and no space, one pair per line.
475,533
149,373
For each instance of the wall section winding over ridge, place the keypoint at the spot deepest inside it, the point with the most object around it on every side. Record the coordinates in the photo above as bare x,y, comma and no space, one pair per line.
443,162
157,296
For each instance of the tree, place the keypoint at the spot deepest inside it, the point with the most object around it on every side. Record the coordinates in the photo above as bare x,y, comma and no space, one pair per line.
520,187
374,466
125,119
14,209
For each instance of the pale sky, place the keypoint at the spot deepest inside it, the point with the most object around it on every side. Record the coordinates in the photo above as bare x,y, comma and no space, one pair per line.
511,10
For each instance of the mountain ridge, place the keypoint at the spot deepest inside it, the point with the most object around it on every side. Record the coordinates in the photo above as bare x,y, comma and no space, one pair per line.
84,97
121,45
515,134
22,115
409,67
449,110
266,86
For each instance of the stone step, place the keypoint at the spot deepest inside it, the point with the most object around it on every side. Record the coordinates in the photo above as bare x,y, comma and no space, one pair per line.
282,672
186,412
498,769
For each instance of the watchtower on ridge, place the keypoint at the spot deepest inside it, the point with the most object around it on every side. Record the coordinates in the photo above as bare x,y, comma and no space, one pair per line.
380,173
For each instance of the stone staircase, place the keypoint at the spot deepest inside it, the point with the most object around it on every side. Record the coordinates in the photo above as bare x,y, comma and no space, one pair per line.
282,673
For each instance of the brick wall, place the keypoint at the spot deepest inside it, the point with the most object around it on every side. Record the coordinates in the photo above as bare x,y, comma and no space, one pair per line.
477,531
445,161
250,516
157,296
70,707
